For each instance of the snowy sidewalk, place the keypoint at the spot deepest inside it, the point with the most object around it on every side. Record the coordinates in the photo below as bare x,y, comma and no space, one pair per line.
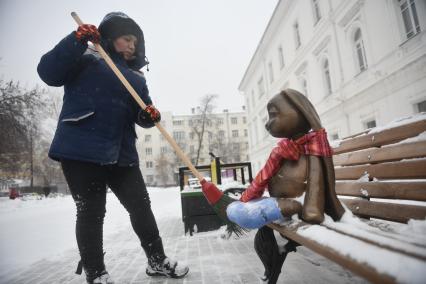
211,260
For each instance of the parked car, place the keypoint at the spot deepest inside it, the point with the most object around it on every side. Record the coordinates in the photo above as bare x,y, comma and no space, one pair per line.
194,183
13,193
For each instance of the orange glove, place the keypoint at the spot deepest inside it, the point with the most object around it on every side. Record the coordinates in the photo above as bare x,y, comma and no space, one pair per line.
154,113
87,33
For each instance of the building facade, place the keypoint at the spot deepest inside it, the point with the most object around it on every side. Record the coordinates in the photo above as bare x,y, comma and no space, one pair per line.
225,135
361,63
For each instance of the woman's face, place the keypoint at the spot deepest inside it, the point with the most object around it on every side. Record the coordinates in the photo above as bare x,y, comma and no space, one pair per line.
126,45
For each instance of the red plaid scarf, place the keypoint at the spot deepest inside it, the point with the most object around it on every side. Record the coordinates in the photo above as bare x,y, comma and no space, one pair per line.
314,143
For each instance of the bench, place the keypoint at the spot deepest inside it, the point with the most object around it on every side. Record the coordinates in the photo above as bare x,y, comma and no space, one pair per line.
381,178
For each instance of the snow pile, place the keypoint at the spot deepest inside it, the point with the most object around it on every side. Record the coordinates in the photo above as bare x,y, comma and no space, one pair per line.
418,138
364,178
232,184
403,268
414,227
399,121
335,143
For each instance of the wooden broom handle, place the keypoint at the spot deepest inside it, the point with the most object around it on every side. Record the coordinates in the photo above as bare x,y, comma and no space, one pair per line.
138,99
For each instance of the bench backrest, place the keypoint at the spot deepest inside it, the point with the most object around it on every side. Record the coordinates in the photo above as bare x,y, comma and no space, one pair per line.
380,165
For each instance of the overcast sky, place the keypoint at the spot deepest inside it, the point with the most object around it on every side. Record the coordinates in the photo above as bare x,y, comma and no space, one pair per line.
195,47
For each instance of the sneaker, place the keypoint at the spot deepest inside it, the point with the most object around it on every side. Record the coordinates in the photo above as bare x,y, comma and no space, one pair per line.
103,278
168,268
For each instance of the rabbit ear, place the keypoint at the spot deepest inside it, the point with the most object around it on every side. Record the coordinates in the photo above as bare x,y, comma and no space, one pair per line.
302,103
333,207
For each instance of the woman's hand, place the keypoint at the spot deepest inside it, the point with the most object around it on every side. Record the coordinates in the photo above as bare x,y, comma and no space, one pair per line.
148,116
87,33
153,113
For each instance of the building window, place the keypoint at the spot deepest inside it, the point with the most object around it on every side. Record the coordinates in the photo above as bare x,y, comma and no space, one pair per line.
297,40
409,17
148,151
149,178
191,135
149,164
178,135
244,120
234,120
245,133
304,85
221,134
281,57
317,11
360,51
271,72
255,132
327,77
260,87
421,106
177,122
252,99
334,136
220,121
235,147
163,150
264,121
370,124
234,133
191,149
148,138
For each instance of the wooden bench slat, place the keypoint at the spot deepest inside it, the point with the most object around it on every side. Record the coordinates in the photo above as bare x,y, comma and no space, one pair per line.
385,137
357,134
385,154
361,269
415,169
415,190
386,211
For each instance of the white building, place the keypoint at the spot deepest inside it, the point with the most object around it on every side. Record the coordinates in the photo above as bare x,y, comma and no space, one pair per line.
226,136
362,63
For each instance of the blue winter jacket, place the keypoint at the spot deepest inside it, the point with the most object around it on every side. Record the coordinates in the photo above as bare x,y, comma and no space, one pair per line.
97,120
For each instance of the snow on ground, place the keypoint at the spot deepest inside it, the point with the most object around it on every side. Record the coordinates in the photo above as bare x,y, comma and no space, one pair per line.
34,229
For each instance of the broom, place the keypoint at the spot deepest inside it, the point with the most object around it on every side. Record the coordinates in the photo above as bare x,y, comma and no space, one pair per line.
214,196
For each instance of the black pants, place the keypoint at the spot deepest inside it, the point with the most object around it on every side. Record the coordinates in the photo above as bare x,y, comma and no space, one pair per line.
88,185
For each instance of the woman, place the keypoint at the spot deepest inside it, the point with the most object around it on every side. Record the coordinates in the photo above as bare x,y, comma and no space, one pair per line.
95,137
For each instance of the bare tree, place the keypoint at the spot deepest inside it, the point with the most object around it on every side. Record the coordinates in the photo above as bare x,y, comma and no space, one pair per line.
19,109
48,172
202,120
164,169
27,122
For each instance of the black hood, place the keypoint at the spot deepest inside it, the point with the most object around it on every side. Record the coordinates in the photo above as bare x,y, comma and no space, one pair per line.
116,24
